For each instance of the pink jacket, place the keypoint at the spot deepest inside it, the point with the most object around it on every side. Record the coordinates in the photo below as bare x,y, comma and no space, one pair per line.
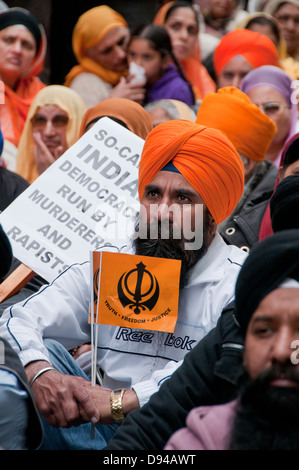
207,428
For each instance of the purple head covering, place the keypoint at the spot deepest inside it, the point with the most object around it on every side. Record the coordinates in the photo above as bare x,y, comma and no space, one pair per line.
275,78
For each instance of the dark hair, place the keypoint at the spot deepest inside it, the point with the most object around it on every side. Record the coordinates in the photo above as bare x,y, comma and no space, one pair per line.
181,4
292,152
161,42
265,21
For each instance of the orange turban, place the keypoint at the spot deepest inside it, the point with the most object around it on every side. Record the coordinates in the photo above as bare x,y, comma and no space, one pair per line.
232,112
204,156
132,114
256,48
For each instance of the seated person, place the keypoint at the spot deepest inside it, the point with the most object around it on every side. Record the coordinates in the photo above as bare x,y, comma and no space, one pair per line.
126,112
208,274
100,39
239,52
22,52
264,415
52,126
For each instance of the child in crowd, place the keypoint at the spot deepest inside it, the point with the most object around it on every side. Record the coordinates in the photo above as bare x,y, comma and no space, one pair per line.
150,48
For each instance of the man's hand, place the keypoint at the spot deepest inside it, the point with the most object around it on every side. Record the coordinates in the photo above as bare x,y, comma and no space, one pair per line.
63,400
66,400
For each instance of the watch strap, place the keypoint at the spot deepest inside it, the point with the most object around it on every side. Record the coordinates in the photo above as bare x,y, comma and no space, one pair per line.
116,405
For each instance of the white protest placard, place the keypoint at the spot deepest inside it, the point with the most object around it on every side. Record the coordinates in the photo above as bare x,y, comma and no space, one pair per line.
88,198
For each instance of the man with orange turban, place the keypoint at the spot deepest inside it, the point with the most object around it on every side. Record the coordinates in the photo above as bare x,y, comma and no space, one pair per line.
183,167
251,131
239,52
99,42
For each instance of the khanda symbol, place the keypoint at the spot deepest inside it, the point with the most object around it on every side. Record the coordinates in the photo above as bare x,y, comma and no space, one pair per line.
96,285
141,297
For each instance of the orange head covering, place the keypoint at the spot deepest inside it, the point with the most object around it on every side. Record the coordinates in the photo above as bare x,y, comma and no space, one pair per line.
16,104
129,112
256,48
231,111
204,156
90,28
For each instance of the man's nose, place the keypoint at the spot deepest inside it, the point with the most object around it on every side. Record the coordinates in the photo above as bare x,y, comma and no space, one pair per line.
120,52
163,212
281,349
236,81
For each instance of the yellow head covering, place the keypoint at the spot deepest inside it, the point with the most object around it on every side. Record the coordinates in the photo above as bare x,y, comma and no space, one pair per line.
90,28
56,95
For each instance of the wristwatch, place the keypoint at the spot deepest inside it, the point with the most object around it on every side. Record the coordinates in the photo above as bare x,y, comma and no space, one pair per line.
116,405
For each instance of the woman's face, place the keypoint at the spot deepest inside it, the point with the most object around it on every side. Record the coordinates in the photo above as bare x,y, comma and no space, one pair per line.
264,29
17,51
287,17
222,8
51,123
182,28
272,103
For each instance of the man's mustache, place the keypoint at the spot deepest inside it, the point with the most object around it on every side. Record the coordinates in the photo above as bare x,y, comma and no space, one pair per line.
278,372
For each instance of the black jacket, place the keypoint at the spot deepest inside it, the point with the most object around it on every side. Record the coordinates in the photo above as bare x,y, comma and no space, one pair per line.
11,186
210,374
243,226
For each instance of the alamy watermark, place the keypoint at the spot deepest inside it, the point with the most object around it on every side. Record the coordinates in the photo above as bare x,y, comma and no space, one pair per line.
295,354
155,221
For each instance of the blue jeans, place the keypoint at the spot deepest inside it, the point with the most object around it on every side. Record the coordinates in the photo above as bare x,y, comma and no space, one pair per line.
76,437
13,412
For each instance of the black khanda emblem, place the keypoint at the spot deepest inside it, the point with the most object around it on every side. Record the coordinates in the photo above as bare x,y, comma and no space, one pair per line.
96,285
135,298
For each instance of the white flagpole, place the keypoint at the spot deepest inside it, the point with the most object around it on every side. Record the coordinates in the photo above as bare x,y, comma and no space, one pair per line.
95,338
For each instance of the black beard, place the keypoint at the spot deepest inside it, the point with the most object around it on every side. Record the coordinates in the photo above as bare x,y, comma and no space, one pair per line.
173,248
268,416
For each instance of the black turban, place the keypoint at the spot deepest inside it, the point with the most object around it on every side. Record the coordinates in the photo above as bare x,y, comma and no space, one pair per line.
284,204
5,253
269,263
15,16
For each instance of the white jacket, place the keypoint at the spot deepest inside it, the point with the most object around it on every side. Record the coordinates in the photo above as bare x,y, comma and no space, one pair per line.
128,357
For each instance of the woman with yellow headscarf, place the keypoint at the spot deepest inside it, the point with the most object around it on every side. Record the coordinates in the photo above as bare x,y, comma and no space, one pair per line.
52,126
99,41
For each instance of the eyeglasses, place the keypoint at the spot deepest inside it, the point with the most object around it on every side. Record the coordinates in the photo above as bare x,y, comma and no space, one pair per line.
271,108
39,122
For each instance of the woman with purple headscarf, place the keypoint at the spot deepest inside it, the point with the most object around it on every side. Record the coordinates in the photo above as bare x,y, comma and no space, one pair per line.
260,85
270,88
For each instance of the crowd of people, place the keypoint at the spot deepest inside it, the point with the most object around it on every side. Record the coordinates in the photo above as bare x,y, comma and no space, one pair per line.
211,89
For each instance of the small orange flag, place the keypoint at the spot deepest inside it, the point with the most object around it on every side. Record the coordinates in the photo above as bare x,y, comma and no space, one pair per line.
135,291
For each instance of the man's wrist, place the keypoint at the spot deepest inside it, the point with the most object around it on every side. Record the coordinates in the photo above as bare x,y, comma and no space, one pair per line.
32,368
129,402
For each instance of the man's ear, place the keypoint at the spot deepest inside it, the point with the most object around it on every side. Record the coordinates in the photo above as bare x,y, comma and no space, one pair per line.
280,173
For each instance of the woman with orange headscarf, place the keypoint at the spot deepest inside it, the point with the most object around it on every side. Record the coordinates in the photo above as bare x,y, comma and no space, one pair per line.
99,41
181,21
125,112
22,54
